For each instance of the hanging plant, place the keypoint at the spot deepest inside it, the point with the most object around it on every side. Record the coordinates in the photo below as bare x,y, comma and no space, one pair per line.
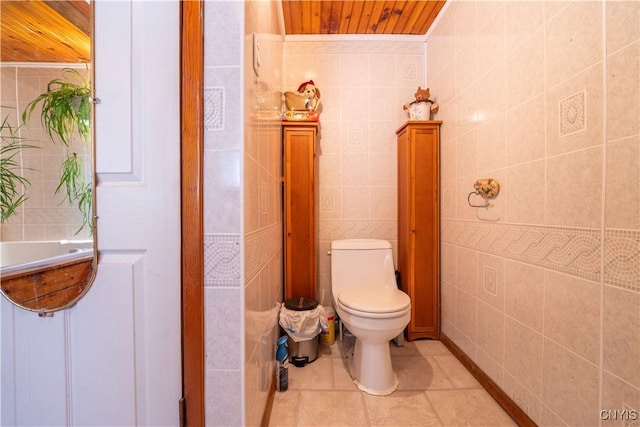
77,191
65,107
12,183
65,110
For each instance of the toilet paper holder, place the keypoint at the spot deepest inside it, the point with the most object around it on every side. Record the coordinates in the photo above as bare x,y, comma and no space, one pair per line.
487,188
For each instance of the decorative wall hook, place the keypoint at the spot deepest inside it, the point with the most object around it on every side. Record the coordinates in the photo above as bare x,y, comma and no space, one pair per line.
487,188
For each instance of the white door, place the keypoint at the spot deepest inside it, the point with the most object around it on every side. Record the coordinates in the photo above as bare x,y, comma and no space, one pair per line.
115,358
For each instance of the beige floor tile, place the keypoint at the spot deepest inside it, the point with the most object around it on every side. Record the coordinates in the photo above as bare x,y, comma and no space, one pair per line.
408,349
284,412
420,373
341,377
317,375
333,350
431,347
401,408
332,408
435,389
468,408
456,372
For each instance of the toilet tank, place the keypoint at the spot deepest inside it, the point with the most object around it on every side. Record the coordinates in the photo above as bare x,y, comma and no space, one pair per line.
357,262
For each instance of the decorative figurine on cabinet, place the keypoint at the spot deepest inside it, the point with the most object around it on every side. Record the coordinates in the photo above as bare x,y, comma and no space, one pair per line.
303,104
419,109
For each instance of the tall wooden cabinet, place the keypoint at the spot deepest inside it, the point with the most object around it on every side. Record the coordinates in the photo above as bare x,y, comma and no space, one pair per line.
419,224
299,142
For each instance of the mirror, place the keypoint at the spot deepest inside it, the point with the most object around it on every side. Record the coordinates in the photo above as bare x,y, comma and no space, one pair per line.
48,255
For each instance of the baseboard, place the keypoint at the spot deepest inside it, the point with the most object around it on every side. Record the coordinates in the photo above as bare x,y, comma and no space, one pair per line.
266,416
510,407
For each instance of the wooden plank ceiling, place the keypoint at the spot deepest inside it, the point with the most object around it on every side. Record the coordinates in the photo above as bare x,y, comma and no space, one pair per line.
411,17
45,31
60,30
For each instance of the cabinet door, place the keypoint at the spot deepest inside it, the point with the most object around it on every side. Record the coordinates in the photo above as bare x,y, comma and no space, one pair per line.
425,236
299,146
419,225
404,213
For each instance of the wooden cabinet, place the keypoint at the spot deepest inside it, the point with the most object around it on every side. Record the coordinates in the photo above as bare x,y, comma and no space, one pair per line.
299,209
419,224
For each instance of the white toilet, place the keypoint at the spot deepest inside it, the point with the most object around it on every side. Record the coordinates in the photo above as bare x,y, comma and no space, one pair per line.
371,306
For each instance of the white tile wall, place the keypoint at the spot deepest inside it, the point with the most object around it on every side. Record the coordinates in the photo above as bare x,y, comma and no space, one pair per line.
222,189
553,113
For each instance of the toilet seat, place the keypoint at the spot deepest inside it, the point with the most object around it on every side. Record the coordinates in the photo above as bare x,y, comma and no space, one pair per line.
374,302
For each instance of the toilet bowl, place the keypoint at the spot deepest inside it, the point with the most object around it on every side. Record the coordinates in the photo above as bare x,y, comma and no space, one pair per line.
370,305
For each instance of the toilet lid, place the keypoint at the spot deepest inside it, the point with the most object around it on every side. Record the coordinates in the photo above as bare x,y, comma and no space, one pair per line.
376,300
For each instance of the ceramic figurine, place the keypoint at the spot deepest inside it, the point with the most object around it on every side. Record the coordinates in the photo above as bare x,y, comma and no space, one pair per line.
422,107
307,98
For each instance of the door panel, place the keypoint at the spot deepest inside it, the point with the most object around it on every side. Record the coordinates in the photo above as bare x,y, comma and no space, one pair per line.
103,344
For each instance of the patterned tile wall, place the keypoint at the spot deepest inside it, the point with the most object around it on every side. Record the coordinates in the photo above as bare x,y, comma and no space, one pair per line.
262,203
223,251
214,108
572,251
260,247
568,250
222,260
622,259
363,87
357,229
573,114
536,288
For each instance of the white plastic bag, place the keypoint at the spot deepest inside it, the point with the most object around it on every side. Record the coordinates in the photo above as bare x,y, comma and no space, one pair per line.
303,325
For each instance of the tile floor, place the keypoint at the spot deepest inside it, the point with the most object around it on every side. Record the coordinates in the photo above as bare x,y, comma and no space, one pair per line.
435,390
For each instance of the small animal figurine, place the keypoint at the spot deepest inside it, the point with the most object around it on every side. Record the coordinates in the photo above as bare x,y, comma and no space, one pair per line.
417,109
307,98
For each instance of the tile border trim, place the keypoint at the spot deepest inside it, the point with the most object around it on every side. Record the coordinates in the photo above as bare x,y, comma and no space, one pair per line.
222,260
574,251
